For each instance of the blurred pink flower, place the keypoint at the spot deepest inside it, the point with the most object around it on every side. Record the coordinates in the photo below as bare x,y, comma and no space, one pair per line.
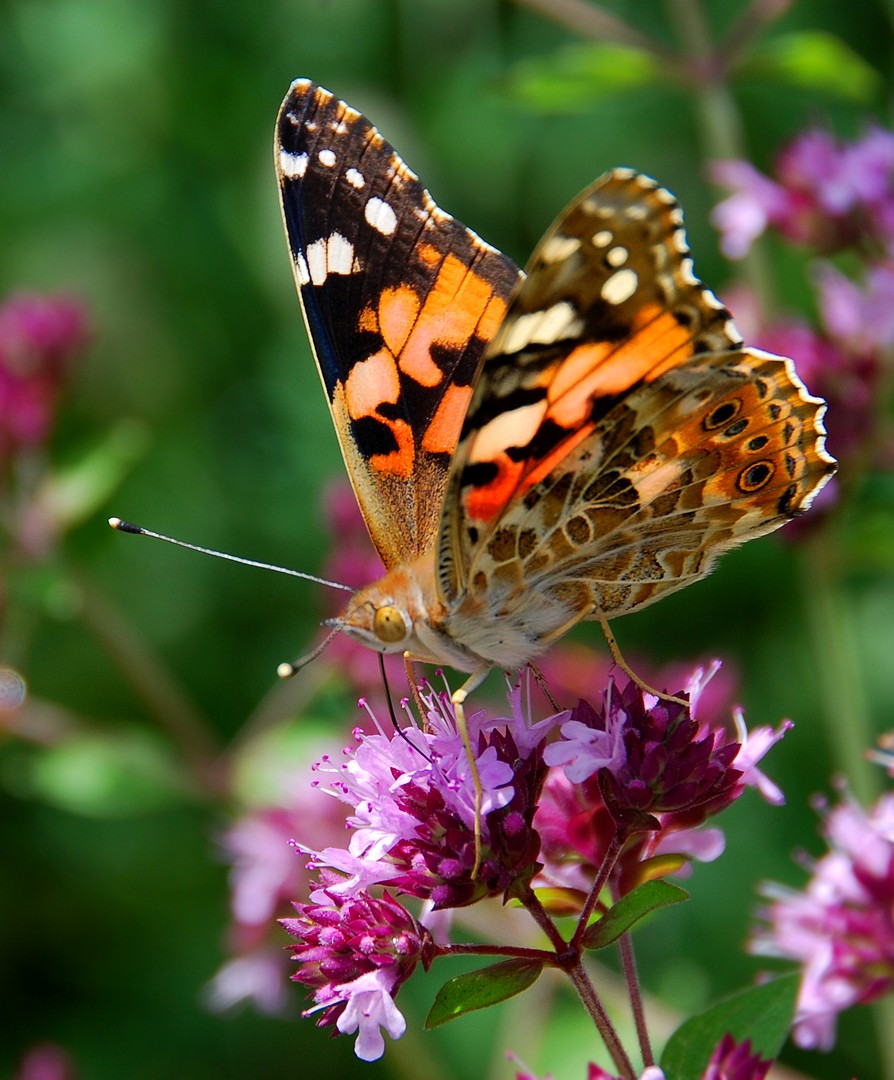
839,928
757,203
266,876
39,337
46,1061
824,193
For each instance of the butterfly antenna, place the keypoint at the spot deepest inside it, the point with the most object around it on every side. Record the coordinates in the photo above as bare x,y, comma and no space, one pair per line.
128,527
286,670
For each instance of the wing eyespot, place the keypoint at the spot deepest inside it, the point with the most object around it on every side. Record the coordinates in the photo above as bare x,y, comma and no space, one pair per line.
755,476
722,414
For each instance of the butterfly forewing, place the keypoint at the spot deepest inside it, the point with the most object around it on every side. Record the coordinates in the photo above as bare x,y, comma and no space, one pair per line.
620,437
400,300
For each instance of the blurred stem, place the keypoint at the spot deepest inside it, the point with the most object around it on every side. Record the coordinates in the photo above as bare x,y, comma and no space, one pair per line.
883,1018
592,21
843,700
154,684
720,121
748,26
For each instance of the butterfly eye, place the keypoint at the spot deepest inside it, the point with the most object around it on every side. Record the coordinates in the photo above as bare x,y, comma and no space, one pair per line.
389,624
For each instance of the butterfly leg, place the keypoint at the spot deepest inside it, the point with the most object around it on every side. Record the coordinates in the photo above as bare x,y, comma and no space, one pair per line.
414,686
458,699
628,670
541,682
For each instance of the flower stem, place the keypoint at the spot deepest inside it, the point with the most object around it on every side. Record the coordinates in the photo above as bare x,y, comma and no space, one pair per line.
628,960
608,862
568,957
546,956
540,916
591,1002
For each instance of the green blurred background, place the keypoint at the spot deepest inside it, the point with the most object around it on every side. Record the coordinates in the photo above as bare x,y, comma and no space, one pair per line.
137,172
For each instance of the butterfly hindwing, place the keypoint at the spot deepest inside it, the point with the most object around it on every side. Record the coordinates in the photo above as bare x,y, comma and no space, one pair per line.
620,437
400,300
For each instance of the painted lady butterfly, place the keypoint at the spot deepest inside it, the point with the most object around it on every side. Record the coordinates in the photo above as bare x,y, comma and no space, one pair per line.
528,451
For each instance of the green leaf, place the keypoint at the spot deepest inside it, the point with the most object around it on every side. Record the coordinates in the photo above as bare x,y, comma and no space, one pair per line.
96,774
577,77
814,60
646,898
482,988
762,1014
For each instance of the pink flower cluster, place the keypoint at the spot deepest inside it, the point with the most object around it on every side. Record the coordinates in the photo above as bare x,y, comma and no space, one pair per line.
824,193
831,196
655,770
840,928
637,768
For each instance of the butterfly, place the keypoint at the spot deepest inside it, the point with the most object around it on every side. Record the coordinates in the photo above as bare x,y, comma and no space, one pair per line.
527,450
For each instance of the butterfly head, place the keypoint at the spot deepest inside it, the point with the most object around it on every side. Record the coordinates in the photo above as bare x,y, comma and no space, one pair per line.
401,613
383,616
385,627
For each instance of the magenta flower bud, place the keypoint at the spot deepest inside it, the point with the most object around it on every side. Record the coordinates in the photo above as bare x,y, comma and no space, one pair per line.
355,953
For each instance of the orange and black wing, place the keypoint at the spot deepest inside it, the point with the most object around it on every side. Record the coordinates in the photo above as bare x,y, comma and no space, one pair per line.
620,436
400,301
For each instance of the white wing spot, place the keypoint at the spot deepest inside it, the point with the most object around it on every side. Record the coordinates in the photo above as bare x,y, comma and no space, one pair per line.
355,178
557,248
602,239
302,273
292,165
327,158
330,255
513,428
616,256
380,215
542,327
339,127
620,286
